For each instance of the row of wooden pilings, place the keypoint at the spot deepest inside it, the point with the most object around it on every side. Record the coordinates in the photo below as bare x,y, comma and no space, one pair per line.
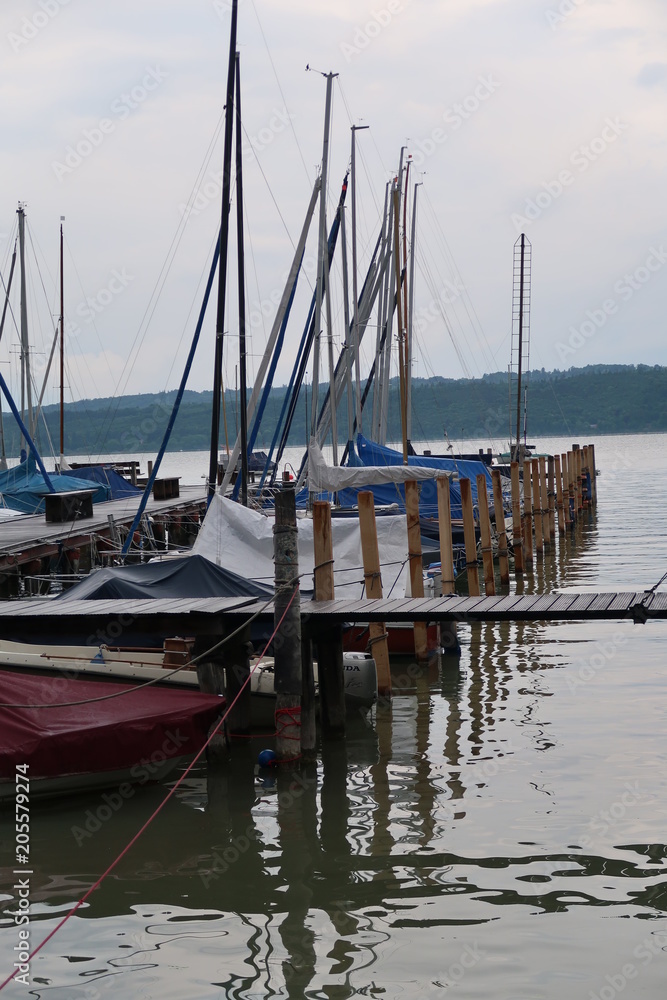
556,488
560,486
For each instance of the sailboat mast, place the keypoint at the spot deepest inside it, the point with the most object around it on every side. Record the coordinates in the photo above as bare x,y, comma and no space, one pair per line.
321,255
241,281
224,242
411,291
520,349
3,456
353,182
62,349
401,328
26,381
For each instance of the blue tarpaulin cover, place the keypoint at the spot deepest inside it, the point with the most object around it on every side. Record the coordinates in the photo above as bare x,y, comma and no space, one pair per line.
23,488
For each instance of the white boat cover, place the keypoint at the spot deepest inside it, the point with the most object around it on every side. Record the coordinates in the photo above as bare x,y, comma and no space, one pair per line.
323,478
241,539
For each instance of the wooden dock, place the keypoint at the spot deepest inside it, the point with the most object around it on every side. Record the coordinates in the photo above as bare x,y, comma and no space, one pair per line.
215,616
29,537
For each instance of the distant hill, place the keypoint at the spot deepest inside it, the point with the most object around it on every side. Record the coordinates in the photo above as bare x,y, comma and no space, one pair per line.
598,399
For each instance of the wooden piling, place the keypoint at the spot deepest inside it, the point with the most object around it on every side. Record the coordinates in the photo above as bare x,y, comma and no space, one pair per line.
287,644
308,700
469,538
558,476
576,457
585,477
567,488
527,515
415,562
517,540
594,485
448,636
373,584
501,533
329,641
544,502
485,532
537,506
551,496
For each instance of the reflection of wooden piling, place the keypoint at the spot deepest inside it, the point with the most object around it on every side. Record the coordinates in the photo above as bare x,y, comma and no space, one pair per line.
501,534
469,538
527,515
448,636
517,541
373,582
415,562
329,640
544,503
485,532
558,476
551,496
537,506
287,644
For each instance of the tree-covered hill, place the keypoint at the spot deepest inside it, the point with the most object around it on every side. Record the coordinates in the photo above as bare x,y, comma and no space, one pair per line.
600,399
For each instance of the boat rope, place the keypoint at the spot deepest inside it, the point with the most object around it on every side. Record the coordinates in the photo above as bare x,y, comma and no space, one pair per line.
169,673
159,809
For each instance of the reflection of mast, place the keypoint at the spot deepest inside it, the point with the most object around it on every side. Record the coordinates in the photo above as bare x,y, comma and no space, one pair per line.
520,350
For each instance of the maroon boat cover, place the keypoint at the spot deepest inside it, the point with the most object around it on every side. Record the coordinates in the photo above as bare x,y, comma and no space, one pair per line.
145,727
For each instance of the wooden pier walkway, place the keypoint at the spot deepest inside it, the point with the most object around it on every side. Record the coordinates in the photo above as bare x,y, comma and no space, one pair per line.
214,616
27,537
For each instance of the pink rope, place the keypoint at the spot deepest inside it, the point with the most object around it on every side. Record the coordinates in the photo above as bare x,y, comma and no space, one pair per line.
159,808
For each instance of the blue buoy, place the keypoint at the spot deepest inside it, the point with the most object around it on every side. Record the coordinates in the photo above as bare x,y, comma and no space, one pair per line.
266,758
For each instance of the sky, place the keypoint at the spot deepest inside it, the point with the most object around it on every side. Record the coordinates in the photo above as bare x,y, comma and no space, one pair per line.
538,116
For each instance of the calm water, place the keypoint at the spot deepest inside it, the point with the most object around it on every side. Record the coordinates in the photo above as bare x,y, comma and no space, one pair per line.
498,831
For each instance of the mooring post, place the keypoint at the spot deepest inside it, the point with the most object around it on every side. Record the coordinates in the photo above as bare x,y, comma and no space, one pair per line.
329,640
415,562
527,515
544,503
568,489
551,496
448,637
236,659
576,454
287,643
537,506
558,476
517,540
469,538
485,532
585,477
308,701
501,533
373,588
594,485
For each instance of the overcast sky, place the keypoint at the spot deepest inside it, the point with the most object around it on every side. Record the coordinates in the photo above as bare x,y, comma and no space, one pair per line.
535,116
